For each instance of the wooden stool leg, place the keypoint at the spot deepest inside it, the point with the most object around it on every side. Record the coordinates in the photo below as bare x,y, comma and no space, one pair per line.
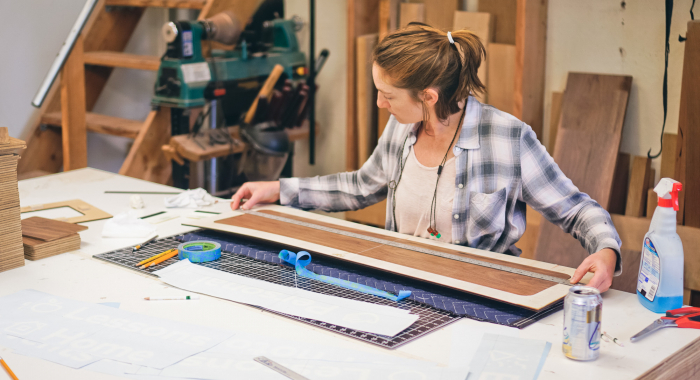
73,126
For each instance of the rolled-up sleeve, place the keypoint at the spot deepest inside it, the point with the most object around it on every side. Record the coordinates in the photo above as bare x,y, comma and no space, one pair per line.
342,191
547,190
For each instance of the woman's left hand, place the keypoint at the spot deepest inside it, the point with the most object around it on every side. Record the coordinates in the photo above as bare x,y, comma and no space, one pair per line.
602,263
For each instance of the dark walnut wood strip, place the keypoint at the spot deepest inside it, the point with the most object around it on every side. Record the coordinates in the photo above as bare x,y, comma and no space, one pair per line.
492,278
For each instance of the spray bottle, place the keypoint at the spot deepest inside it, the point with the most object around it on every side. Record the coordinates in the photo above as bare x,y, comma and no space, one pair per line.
660,281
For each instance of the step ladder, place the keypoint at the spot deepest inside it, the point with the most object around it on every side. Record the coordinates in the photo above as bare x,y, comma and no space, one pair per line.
59,138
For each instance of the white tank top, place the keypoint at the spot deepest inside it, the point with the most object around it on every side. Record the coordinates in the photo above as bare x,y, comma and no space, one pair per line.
414,196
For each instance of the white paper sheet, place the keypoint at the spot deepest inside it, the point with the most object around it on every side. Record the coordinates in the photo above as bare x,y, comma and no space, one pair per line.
363,316
504,357
76,333
466,338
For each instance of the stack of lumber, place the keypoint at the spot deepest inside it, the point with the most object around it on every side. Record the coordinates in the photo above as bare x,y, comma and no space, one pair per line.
11,252
43,237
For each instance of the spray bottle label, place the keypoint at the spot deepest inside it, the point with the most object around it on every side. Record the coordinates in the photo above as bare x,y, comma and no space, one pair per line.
648,281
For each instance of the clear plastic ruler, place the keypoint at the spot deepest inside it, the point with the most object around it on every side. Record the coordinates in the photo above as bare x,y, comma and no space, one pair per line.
409,247
273,365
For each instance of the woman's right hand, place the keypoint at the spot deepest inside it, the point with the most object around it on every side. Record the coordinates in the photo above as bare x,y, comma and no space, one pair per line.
256,192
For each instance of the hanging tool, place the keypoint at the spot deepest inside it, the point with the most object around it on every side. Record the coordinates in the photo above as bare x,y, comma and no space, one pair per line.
265,91
685,318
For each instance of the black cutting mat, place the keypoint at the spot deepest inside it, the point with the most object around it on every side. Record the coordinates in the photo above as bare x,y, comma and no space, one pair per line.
430,319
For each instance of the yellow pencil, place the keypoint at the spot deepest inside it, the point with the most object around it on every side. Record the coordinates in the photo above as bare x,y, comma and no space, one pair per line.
160,260
7,368
155,257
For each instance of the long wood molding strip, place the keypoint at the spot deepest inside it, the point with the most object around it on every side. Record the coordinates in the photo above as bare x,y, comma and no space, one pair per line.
492,278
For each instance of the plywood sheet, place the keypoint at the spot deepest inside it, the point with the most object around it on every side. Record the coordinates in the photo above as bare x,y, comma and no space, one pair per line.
618,193
593,113
668,161
480,24
554,118
516,289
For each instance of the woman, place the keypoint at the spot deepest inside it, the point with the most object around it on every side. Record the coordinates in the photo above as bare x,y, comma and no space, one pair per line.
452,169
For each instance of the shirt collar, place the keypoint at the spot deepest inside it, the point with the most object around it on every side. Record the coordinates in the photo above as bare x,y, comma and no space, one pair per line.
469,137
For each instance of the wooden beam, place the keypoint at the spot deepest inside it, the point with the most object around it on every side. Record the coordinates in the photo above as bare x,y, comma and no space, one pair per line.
688,159
104,124
531,48
410,12
124,60
362,19
366,98
668,159
145,159
501,73
639,184
388,17
480,23
73,130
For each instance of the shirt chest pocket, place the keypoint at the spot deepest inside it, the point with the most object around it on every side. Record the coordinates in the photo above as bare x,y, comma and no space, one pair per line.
487,218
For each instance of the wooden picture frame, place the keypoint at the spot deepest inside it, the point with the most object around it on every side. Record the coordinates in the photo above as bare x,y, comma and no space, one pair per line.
551,293
90,212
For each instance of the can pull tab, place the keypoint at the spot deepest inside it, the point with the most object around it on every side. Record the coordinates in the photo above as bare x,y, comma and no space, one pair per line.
667,190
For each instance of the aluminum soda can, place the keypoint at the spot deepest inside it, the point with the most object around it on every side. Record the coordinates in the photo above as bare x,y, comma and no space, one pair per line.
583,308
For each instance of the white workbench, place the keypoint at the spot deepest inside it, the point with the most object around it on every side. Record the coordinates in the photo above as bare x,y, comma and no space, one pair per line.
77,276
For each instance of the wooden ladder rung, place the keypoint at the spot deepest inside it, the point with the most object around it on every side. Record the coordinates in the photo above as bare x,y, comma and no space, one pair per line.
187,4
109,125
124,60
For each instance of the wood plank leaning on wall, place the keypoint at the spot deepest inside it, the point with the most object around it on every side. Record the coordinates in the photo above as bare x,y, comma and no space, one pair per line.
593,113
687,152
481,24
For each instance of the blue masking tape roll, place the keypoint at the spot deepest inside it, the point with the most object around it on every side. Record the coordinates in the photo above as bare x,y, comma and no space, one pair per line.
302,259
199,251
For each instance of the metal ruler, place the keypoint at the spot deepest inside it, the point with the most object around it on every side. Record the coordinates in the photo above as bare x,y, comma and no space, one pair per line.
273,365
415,249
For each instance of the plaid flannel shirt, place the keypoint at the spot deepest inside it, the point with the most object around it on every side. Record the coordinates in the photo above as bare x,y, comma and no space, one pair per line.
500,167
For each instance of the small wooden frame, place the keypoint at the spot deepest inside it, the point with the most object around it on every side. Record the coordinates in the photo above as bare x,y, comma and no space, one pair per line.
516,289
90,212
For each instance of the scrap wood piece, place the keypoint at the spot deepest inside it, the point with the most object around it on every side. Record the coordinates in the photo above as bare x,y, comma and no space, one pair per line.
504,13
89,212
586,150
554,118
668,159
171,153
639,184
45,229
521,290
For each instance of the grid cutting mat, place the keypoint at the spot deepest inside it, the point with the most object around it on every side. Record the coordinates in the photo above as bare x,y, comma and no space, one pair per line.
430,319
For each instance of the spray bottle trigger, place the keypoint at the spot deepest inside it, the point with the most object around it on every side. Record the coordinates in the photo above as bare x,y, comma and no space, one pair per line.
674,195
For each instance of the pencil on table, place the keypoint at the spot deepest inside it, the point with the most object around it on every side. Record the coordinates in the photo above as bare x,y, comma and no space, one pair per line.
144,243
159,260
155,257
7,368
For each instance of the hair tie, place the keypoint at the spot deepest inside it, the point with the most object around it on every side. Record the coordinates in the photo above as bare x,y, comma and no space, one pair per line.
449,37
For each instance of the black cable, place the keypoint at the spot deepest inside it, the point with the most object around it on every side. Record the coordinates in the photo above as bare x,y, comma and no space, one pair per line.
669,16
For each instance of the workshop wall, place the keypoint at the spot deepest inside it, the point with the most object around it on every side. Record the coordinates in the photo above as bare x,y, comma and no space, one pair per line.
620,37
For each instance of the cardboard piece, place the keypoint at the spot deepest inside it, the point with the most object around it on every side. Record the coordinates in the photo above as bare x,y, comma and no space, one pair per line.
90,212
